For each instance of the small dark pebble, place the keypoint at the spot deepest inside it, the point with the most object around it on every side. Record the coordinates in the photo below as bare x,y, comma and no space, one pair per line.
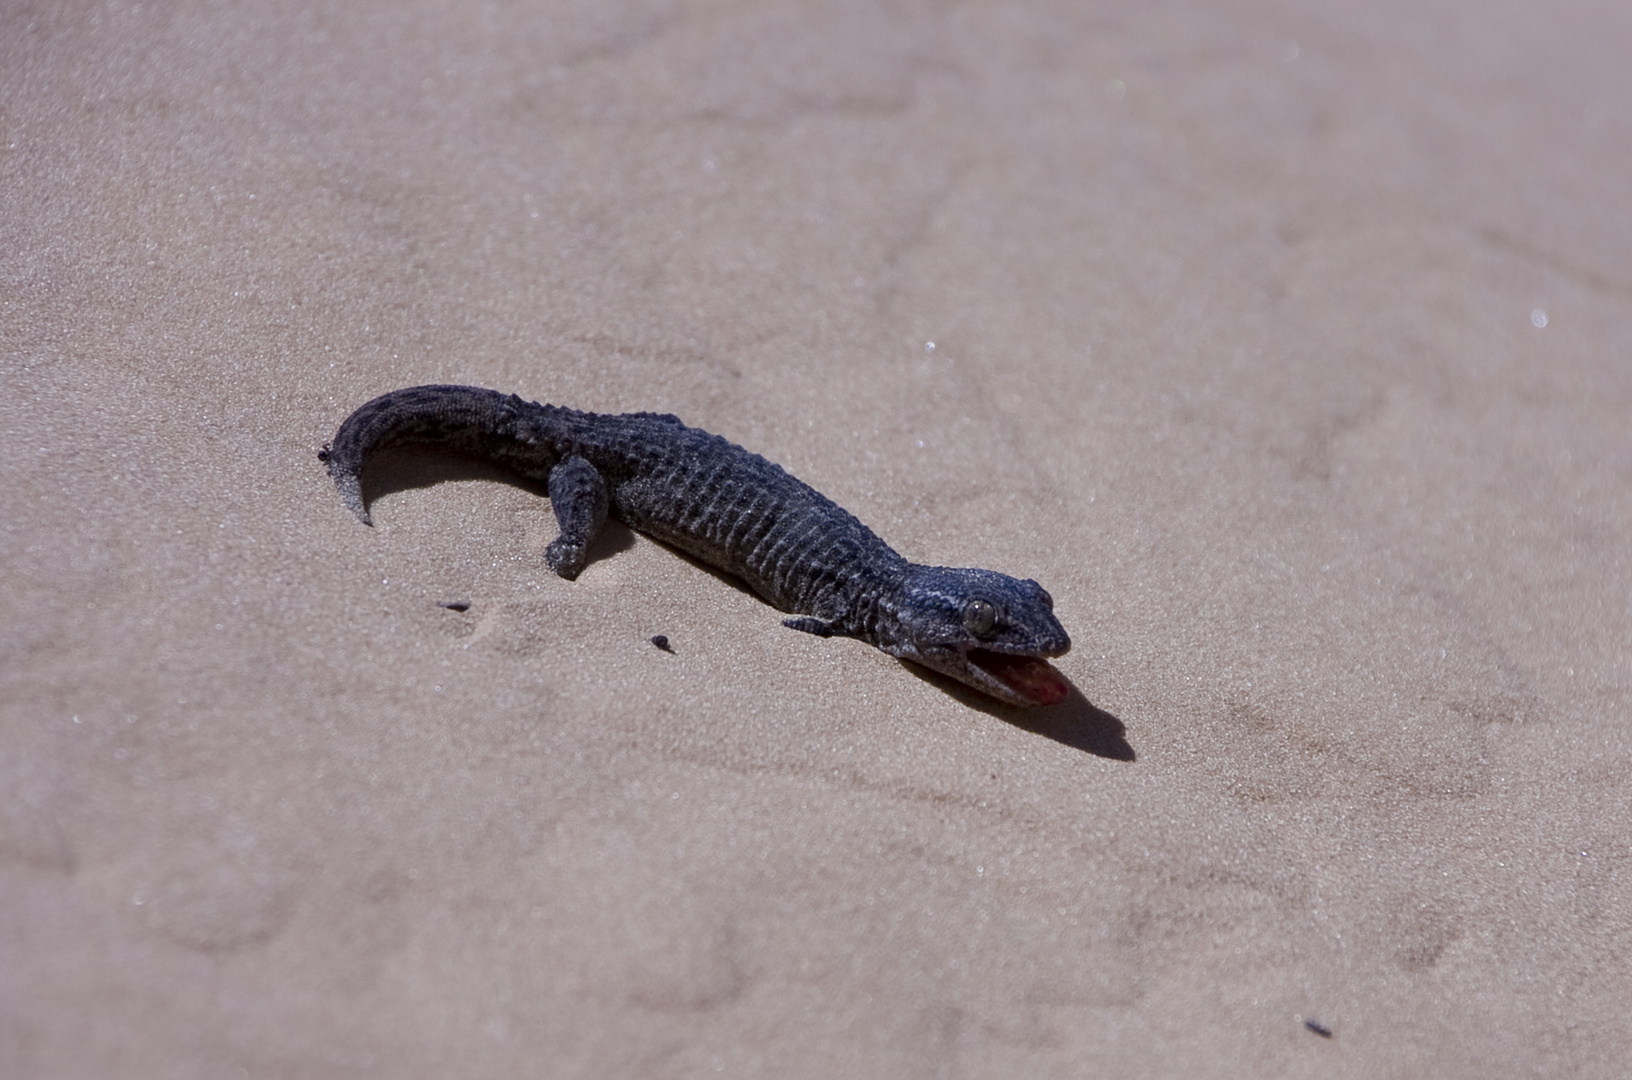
1318,1028
662,642
456,605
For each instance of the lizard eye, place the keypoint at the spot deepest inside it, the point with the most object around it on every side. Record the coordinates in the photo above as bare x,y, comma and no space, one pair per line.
979,617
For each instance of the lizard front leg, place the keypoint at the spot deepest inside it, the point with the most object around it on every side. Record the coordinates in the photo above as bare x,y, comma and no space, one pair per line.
578,496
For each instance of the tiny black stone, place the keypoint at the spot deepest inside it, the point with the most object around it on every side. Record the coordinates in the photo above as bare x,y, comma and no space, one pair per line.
662,642
455,605
1318,1028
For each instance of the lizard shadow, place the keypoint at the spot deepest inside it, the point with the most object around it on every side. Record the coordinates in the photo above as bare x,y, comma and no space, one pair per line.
1075,722
408,468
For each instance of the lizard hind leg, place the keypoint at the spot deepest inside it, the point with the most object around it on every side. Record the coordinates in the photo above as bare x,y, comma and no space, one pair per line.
579,497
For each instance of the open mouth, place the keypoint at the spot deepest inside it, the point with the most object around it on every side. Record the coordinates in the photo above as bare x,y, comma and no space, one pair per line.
1030,678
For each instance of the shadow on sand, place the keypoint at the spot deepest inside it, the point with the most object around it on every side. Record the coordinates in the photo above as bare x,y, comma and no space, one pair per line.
1075,722
410,468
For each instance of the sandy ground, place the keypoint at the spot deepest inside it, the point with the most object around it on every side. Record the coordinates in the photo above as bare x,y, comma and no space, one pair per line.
1286,344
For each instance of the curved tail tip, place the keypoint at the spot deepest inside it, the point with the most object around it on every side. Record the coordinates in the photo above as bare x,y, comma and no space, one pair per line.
351,493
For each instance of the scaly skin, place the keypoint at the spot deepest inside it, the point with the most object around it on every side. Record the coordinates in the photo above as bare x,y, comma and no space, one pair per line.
733,510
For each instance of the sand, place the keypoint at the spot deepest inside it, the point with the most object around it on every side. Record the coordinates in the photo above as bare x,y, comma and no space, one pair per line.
1287,345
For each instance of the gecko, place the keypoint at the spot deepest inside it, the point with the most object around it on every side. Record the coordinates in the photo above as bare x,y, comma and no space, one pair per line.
735,511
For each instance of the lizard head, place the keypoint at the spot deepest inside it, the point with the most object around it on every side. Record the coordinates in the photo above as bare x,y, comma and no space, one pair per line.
982,628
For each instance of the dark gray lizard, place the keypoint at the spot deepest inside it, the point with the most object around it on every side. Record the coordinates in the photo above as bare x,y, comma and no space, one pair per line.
733,510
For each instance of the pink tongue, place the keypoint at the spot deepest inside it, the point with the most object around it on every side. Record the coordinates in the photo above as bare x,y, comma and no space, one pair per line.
1031,677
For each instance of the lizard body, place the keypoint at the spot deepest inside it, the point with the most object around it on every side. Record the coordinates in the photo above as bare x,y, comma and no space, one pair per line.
736,511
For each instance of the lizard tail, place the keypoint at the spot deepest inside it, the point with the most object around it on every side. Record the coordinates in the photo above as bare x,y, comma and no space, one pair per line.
464,419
